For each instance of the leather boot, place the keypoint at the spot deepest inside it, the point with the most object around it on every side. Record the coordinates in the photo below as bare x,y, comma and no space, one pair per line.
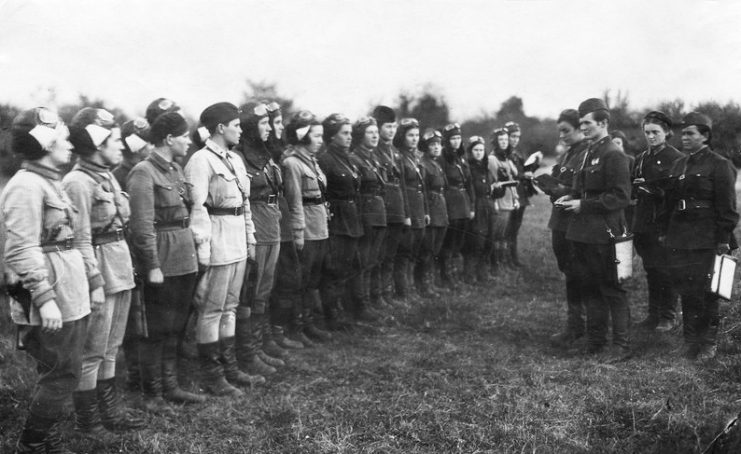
481,273
283,341
113,415
423,278
386,272
513,255
249,333
171,389
231,368
269,346
40,436
187,341
401,278
311,329
213,378
131,354
150,363
296,327
87,418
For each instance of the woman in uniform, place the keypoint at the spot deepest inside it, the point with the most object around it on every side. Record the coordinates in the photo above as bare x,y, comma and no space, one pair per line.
650,178
485,221
435,184
45,273
305,188
504,174
460,199
342,265
372,208
702,201
104,214
406,140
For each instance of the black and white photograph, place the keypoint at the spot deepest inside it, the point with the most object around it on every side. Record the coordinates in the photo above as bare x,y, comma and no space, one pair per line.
346,226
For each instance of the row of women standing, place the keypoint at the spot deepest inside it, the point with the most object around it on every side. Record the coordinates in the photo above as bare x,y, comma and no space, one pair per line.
256,240
685,214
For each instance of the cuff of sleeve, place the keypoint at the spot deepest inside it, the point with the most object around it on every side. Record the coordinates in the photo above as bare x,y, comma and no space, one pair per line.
95,281
298,234
203,251
251,239
39,299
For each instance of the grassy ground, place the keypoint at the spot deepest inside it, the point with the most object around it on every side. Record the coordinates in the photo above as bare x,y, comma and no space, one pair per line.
469,373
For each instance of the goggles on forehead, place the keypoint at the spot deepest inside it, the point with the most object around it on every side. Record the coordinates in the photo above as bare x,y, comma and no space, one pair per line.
47,117
305,115
140,123
476,139
499,132
409,122
434,134
260,110
452,126
272,107
165,104
366,120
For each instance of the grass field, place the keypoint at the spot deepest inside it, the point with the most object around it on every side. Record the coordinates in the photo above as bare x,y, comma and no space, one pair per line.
469,373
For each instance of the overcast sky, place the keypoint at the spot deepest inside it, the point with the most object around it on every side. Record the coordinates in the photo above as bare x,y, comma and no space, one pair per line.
344,55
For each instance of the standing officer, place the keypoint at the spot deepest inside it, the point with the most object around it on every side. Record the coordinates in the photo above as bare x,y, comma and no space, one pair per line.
564,170
394,197
650,181
225,237
700,224
601,193
525,190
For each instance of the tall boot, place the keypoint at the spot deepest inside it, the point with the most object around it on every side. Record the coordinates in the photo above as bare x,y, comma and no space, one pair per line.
269,346
423,278
386,272
87,418
296,328
130,348
171,389
514,257
481,272
504,255
495,260
231,367
310,327
283,341
214,381
150,362
53,442
36,435
249,333
401,278
470,264
113,415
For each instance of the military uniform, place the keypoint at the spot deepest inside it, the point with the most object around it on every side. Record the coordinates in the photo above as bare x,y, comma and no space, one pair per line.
435,185
603,186
397,210
525,190
476,260
564,170
409,246
342,264
160,238
373,179
651,176
702,202
502,170
461,200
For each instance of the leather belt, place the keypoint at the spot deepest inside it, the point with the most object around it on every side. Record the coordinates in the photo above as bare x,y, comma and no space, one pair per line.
272,199
178,224
312,200
108,237
690,204
57,246
233,211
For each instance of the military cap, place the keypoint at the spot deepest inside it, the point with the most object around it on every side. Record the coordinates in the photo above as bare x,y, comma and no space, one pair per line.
658,116
591,105
384,114
697,119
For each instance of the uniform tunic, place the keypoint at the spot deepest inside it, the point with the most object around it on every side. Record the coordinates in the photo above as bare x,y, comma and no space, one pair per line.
414,189
459,194
395,199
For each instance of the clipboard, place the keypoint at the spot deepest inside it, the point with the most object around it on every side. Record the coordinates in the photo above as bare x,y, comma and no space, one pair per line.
724,271
622,249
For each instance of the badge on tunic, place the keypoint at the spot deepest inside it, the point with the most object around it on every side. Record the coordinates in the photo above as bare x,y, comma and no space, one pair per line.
563,169
595,161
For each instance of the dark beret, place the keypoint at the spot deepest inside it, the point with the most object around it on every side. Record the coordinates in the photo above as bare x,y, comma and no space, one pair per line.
220,113
169,123
659,116
591,105
384,114
697,119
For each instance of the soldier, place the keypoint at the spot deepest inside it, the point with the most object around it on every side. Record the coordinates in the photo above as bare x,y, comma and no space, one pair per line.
305,188
286,300
460,199
45,273
702,202
484,224
222,227
435,184
406,139
104,215
525,190
342,264
394,197
600,194
254,339
650,181
564,170
504,190
372,208
165,253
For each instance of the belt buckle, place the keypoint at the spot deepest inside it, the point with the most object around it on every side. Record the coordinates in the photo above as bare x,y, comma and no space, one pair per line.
236,211
185,222
271,199
681,205
68,243
119,234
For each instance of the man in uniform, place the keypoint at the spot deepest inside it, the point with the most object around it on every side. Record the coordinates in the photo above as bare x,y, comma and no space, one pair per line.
601,193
